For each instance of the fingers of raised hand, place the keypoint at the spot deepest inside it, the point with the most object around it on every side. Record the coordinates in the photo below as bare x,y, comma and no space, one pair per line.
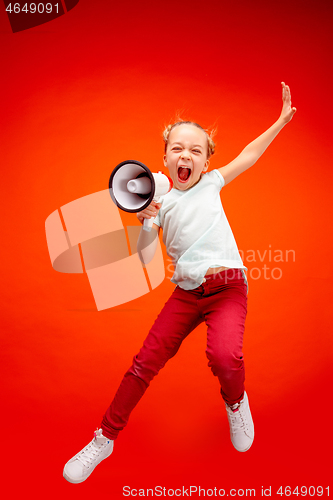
287,111
286,95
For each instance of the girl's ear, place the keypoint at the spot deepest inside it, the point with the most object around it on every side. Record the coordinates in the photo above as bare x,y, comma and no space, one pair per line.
164,160
206,166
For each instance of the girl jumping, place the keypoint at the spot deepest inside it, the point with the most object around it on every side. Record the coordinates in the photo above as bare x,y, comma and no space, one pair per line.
210,281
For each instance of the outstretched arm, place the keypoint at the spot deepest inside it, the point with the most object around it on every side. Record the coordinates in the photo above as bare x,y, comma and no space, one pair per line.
255,149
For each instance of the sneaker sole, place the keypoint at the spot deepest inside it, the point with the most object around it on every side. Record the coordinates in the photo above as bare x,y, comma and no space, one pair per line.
246,449
74,481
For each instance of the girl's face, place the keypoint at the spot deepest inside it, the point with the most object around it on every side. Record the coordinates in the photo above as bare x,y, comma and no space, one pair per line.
186,155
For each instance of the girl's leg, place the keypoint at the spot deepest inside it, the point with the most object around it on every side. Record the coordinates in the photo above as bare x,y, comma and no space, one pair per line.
177,319
225,312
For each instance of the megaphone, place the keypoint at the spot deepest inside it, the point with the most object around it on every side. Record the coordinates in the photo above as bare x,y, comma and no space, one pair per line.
133,187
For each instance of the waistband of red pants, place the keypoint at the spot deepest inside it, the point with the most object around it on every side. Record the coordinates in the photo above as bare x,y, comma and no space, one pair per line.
230,273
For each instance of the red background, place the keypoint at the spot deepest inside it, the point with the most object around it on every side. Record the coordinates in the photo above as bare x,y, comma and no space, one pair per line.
96,87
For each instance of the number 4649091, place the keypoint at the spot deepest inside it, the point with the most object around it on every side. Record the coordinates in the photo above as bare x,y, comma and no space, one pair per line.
303,491
32,8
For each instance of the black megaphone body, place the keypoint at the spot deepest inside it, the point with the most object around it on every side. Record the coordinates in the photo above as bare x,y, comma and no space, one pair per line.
133,187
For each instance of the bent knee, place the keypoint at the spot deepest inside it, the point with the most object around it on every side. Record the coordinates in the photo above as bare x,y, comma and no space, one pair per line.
224,361
148,363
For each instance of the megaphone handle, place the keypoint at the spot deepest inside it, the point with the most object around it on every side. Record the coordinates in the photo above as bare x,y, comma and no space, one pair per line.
148,224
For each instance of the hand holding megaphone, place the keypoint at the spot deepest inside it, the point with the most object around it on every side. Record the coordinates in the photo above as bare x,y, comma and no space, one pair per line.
133,187
150,212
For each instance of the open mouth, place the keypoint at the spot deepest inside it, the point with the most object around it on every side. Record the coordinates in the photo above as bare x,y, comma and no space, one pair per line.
184,173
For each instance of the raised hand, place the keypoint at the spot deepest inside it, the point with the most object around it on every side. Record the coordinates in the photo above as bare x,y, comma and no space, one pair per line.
287,111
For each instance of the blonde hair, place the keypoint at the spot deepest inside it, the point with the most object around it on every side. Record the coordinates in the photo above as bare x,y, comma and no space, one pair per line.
209,134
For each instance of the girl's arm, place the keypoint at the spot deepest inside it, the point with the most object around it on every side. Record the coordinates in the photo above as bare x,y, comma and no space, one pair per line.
255,149
147,242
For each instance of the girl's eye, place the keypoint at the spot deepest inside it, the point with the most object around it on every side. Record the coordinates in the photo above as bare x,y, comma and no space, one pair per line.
176,149
196,151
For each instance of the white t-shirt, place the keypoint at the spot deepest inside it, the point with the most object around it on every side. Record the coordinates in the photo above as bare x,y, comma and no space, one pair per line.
196,231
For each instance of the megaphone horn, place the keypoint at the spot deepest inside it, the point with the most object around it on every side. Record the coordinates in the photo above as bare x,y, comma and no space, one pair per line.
133,187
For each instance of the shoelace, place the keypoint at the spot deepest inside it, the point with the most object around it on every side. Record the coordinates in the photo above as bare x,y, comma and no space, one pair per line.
238,420
90,453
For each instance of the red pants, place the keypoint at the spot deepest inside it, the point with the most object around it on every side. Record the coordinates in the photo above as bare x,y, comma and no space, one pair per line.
221,301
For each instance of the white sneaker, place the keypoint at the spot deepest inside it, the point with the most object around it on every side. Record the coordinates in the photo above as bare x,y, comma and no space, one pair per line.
241,424
81,466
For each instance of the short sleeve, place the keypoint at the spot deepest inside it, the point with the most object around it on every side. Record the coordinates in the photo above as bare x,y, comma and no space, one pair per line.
157,219
219,178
